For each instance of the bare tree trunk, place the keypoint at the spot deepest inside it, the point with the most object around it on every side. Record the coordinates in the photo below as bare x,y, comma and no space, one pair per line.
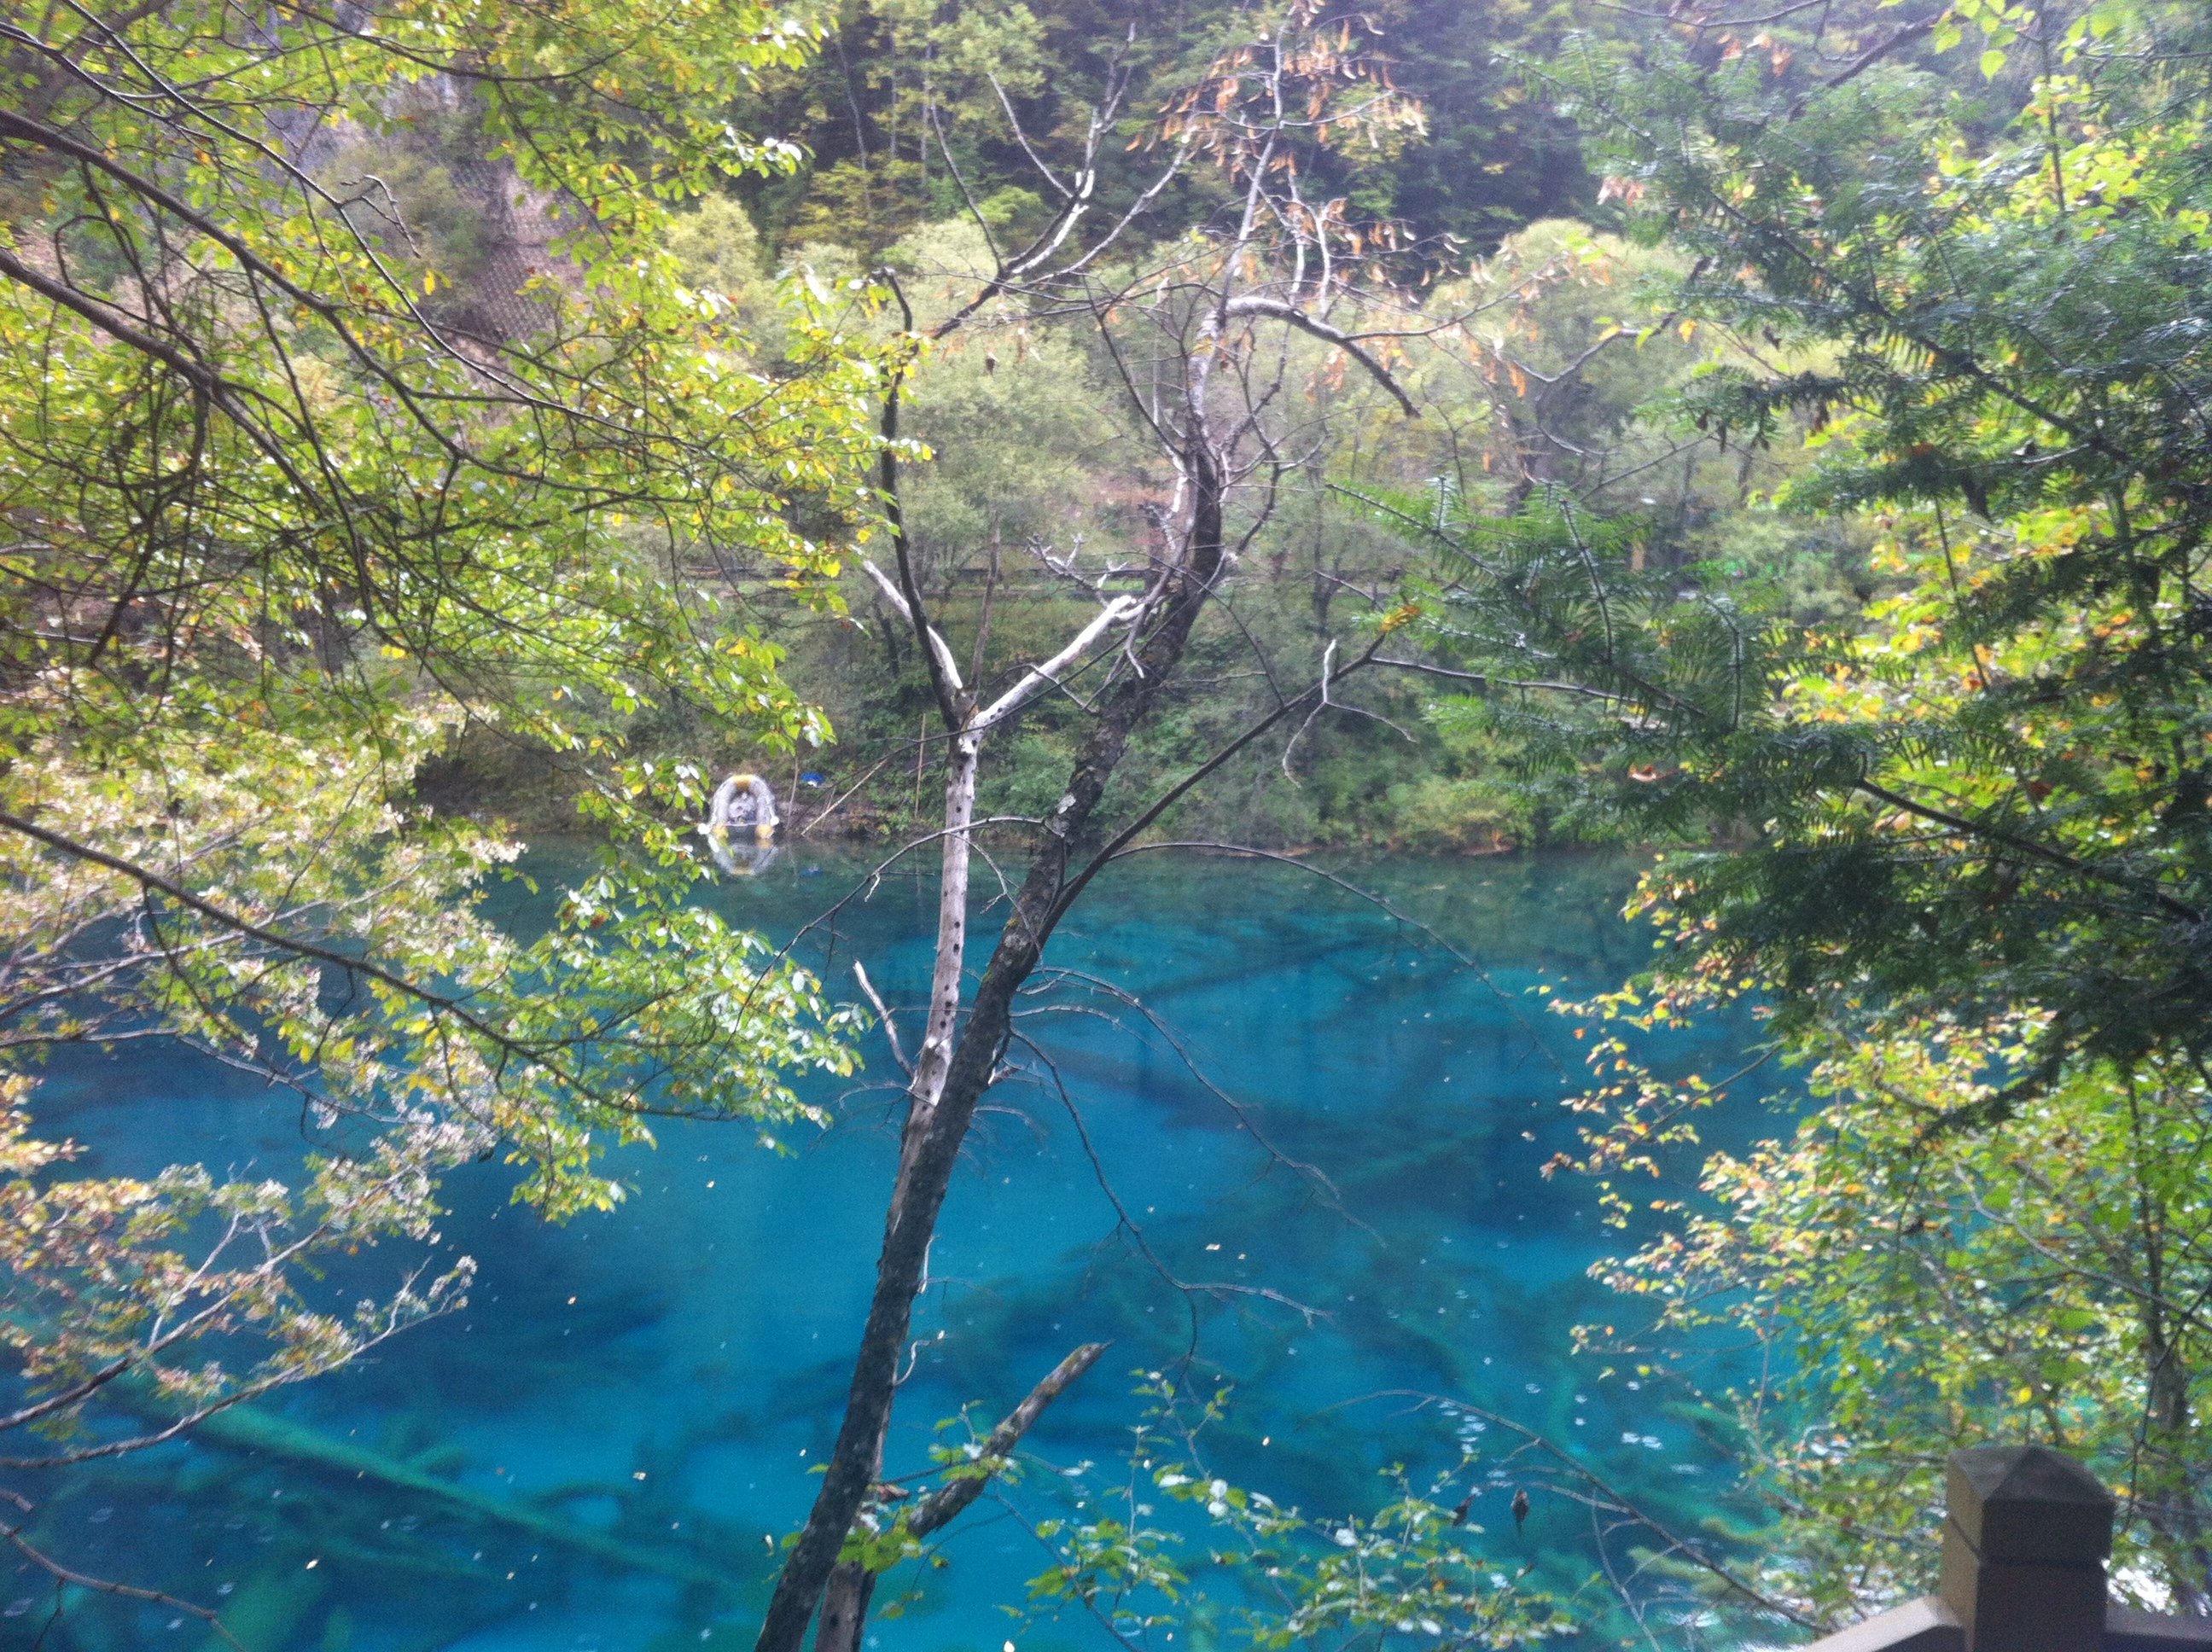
936,1052
959,1061
2175,1510
930,1145
845,1600
845,1607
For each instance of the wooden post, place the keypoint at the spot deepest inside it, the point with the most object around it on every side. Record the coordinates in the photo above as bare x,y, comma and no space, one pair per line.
2025,1541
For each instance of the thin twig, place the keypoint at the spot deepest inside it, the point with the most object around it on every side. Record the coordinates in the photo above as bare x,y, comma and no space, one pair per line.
64,1575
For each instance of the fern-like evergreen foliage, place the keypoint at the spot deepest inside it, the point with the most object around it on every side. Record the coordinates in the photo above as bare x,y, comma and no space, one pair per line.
1958,840
1990,787
1597,662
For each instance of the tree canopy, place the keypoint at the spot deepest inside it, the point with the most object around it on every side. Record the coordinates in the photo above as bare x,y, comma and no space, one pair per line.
293,493
1959,848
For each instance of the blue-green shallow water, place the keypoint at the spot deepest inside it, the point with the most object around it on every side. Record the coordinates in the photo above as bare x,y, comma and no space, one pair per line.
670,1371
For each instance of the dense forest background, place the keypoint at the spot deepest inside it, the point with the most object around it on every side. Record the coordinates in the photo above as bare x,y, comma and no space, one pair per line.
912,128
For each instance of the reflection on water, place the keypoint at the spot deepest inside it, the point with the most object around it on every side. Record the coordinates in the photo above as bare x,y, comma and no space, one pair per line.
626,1414
740,855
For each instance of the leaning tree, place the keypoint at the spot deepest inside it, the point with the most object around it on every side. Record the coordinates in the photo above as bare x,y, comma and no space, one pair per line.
1193,334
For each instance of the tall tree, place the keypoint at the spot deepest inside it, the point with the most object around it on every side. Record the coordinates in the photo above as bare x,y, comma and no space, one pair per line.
1986,795
1190,337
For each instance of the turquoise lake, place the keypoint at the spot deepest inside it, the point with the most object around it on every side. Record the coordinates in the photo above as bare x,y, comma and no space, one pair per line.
667,1373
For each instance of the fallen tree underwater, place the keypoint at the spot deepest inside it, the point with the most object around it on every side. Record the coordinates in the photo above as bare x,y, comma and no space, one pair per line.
247,1432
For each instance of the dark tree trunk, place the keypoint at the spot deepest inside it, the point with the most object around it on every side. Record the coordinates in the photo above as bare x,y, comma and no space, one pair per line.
845,1601
930,1145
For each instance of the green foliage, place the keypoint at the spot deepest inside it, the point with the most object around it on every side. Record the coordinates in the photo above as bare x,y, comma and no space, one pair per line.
1959,855
1905,1289
904,83
314,452
1281,1577
2006,765
1985,793
716,246
1066,471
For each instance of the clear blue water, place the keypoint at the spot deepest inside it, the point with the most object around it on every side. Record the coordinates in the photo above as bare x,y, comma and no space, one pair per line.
669,1372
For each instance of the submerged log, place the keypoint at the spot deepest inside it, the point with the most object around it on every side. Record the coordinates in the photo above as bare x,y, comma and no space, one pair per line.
242,1429
267,1614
